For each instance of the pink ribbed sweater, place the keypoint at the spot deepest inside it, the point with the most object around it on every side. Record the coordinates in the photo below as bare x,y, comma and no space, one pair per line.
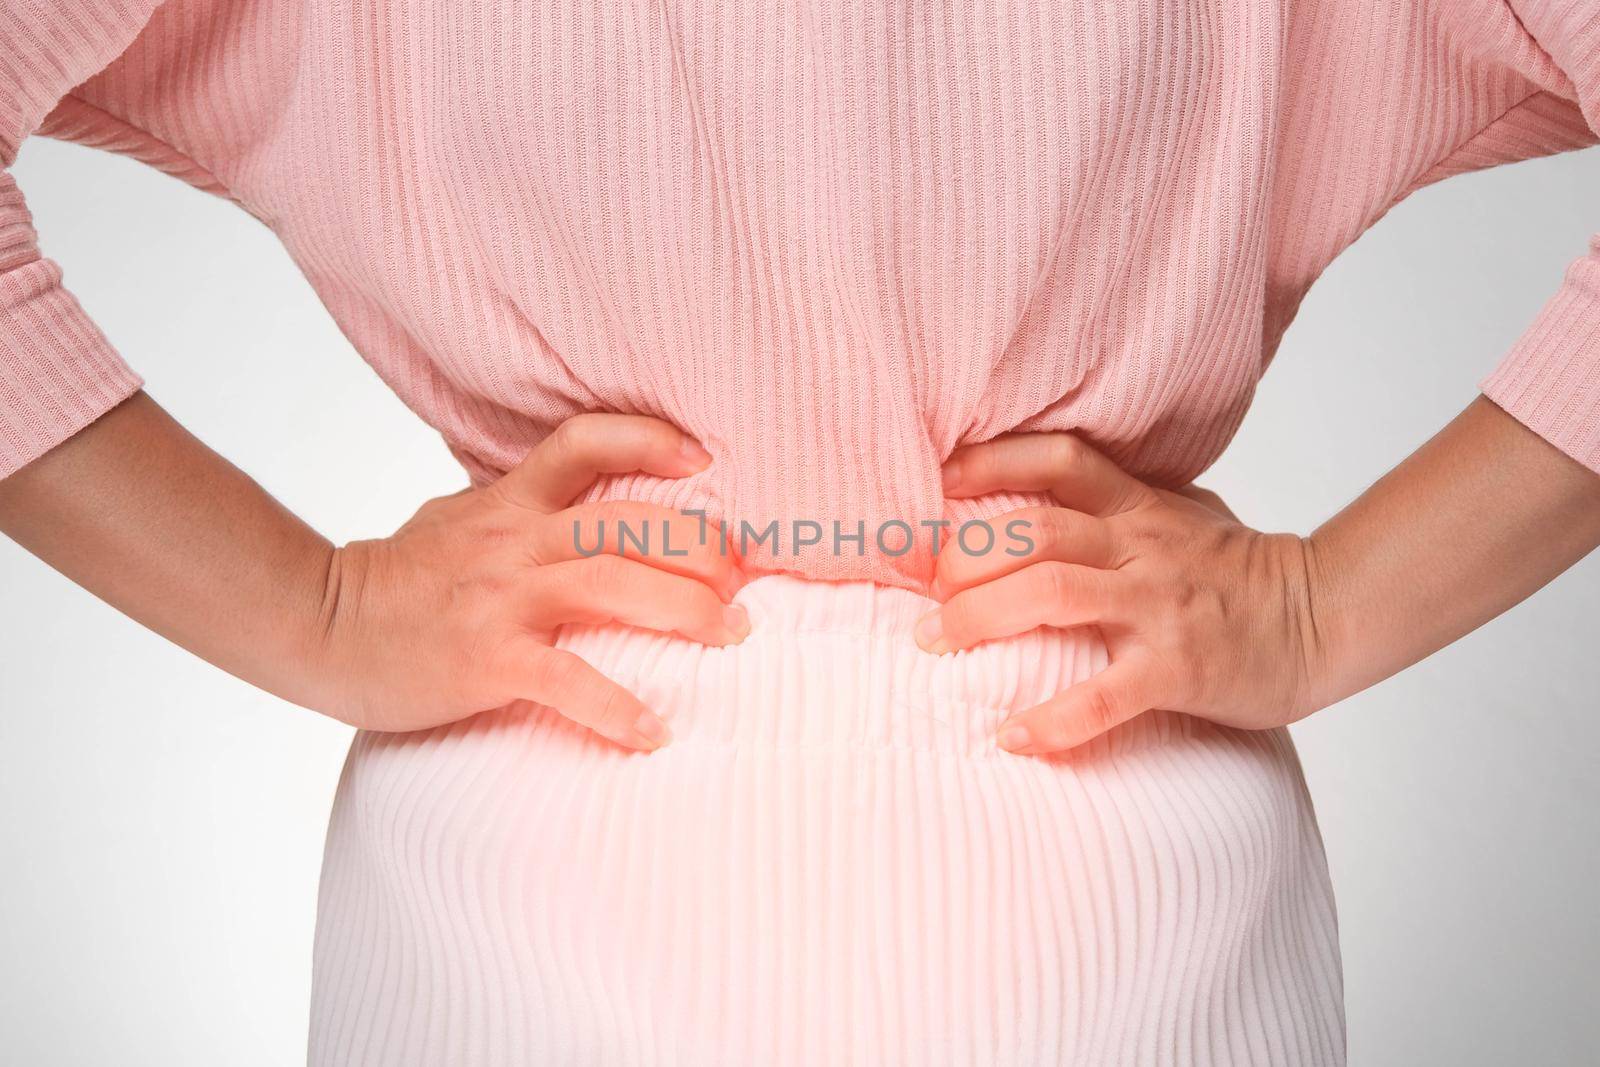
833,242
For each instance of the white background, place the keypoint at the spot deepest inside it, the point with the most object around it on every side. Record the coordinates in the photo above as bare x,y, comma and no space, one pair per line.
161,823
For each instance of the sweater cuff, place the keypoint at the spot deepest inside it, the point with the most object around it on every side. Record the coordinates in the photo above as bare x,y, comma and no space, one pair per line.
1550,380
58,373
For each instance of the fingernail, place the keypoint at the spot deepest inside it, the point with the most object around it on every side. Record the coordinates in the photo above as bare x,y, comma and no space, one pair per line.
1014,737
652,729
950,474
694,456
737,620
930,633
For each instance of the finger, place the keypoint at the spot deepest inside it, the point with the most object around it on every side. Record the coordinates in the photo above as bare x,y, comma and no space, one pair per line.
670,540
584,447
1083,712
1058,463
1045,594
613,589
1020,539
563,681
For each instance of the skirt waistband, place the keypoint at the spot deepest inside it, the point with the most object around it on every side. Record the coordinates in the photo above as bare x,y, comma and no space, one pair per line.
833,665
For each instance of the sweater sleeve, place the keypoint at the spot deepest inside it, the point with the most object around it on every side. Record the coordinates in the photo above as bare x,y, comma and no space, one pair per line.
1550,380
58,373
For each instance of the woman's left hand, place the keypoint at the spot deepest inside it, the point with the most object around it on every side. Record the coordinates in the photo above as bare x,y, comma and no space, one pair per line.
1199,613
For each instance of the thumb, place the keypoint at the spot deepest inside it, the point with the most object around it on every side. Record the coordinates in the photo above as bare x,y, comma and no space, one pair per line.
584,447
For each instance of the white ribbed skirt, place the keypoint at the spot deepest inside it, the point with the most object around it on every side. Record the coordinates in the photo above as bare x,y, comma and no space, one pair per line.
831,864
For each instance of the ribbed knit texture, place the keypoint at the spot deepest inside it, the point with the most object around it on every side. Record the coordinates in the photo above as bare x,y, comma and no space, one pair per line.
831,865
833,241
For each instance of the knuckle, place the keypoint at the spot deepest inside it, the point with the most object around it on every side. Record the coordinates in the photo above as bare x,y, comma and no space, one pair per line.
1098,708
553,674
506,650
566,441
1064,452
559,440
640,512
1044,529
1057,527
612,710
549,590
554,453
609,576
586,424
1055,582
610,512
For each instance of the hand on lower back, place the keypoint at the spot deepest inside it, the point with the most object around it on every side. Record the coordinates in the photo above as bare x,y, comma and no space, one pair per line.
1199,613
456,612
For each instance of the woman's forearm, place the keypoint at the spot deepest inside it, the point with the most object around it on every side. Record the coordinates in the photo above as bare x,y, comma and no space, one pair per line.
454,613
1203,615
139,512
1474,521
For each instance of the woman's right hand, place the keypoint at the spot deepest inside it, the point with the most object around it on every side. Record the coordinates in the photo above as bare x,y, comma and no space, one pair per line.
456,613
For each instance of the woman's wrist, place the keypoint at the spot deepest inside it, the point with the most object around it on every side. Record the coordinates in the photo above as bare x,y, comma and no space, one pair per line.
324,637
1331,650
